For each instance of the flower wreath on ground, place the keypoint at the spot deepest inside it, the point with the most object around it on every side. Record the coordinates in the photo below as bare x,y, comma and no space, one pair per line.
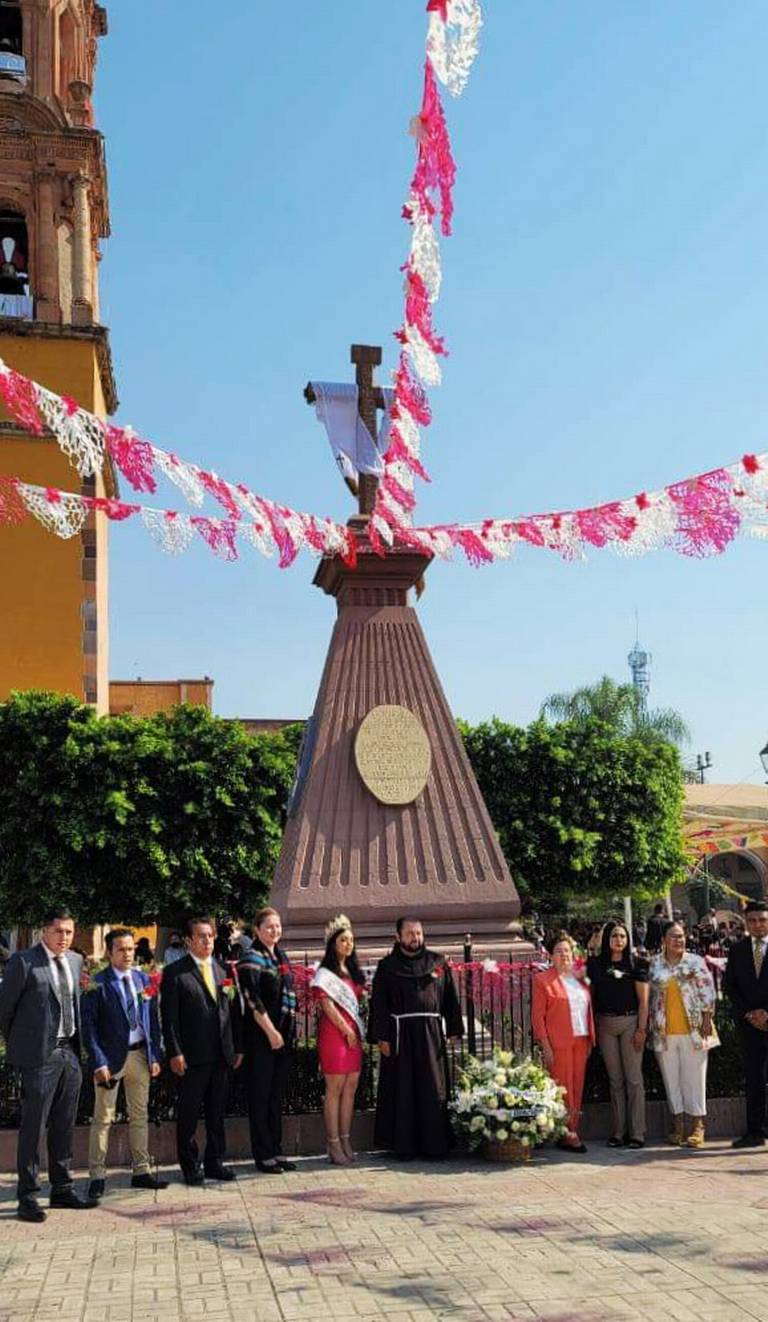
507,1098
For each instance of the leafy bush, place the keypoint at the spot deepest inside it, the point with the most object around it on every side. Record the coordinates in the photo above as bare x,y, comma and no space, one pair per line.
581,811
136,818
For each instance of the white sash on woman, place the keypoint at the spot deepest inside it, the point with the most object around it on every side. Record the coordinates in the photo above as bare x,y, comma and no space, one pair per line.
340,993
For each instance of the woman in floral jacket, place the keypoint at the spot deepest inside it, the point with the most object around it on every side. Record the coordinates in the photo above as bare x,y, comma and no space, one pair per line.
682,1031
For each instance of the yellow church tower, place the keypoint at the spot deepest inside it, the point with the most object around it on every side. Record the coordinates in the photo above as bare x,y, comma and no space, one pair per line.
53,213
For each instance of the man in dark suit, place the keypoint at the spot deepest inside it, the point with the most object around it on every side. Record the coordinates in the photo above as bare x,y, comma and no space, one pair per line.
201,1034
746,984
40,1021
121,1033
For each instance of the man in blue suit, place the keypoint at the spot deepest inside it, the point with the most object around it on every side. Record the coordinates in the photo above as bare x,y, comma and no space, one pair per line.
121,1033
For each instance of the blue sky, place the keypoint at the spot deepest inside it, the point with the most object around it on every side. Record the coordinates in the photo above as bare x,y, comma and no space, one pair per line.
605,302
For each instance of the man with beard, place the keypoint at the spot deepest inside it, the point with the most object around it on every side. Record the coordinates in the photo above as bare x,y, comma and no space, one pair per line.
413,1004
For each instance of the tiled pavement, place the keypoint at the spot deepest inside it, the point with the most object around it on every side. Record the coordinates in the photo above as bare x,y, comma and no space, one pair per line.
649,1235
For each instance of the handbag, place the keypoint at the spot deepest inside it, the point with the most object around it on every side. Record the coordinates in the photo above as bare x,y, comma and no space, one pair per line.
707,1043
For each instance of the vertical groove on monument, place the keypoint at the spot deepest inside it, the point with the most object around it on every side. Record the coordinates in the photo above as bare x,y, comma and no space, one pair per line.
343,848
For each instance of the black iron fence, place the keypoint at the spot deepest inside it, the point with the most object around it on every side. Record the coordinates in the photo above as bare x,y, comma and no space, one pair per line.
495,996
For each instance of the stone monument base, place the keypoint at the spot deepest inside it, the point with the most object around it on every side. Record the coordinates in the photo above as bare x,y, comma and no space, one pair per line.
386,817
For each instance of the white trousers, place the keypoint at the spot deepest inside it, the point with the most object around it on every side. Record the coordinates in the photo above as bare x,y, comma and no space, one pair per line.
684,1071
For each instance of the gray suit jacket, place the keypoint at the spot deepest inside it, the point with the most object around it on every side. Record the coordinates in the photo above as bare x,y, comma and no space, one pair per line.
30,1008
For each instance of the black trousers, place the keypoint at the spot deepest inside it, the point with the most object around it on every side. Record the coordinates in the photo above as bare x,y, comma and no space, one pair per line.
49,1097
201,1086
754,1047
266,1077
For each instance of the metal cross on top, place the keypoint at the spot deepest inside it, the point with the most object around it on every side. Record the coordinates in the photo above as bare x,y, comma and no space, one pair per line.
370,398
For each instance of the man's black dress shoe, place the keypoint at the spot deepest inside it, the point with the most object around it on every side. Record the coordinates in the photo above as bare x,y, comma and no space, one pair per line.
269,1168
636,1143
96,1189
286,1165
147,1181
749,1141
220,1173
194,1178
615,1143
67,1197
29,1209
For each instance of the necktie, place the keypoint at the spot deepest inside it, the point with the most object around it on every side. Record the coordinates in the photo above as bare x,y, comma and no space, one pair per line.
65,998
758,954
130,1005
208,979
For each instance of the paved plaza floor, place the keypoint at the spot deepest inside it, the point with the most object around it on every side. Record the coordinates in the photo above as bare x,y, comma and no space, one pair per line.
647,1235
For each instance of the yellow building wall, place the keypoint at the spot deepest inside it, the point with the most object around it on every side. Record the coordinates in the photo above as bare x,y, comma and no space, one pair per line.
144,697
41,576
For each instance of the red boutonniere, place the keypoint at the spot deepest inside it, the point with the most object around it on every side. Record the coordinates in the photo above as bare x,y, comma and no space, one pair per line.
284,970
228,987
150,992
438,971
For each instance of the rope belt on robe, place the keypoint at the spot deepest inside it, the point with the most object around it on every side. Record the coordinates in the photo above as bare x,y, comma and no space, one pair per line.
416,1014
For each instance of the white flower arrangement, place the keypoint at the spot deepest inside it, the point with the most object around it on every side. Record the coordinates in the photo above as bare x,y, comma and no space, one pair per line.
507,1097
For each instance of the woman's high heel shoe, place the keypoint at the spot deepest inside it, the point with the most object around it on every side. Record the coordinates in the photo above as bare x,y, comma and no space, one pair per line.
346,1147
339,1157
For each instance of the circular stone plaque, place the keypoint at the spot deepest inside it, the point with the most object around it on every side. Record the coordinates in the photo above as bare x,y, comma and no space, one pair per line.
393,754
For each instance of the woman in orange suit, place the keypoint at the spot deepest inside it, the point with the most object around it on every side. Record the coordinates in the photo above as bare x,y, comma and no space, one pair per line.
564,1028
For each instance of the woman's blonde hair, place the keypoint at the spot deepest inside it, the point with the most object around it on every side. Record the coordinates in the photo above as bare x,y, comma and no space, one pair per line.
560,937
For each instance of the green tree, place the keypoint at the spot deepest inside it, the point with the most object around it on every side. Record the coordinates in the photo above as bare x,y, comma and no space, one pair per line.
706,891
581,812
619,706
136,819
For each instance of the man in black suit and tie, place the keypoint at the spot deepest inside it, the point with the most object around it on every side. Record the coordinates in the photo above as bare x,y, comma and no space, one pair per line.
40,1021
201,1034
746,984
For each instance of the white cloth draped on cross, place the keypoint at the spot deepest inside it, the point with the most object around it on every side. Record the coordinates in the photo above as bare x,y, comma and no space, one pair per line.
353,447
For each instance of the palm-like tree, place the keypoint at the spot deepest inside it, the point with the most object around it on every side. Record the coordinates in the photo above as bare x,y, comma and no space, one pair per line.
620,706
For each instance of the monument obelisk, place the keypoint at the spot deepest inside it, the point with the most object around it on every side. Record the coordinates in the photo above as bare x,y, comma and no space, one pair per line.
386,816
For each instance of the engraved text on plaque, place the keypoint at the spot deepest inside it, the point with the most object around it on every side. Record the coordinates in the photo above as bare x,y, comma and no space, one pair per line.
393,754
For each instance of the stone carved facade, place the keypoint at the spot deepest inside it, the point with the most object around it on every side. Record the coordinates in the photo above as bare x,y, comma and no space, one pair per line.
52,165
53,213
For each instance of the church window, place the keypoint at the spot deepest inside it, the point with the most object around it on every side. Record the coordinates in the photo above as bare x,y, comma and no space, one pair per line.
12,62
15,300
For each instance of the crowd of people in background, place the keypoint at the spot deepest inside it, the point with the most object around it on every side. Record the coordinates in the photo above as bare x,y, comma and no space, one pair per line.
226,1001
712,934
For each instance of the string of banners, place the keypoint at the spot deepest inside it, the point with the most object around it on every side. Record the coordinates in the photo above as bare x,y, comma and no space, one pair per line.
697,517
451,48
452,44
89,443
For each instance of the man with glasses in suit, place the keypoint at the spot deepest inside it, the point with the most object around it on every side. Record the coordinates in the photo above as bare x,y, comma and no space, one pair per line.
40,1021
746,984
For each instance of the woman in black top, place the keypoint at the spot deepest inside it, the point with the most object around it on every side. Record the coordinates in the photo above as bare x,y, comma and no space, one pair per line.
266,984
620,1001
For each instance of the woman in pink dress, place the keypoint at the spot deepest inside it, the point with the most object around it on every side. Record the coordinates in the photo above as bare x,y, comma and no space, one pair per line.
337,987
